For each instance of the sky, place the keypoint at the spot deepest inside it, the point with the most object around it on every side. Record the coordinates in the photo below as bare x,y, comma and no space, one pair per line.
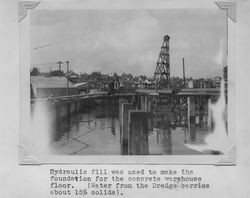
129,40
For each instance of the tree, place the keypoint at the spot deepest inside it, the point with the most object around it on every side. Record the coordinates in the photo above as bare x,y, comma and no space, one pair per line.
34,72
56,73
126,77
96,75
115,75
84,76
130,76
143,77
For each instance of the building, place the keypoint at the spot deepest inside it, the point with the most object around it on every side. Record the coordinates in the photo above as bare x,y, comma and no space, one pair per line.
189,83
177,83
83,87
201,83
147,84
73,77
216,82
44,87
114,85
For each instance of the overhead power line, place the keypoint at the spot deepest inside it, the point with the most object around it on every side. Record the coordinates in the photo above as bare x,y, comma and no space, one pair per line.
76,36
56,42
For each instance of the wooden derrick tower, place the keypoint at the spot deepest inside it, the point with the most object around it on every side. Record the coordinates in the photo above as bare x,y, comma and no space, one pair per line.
162,71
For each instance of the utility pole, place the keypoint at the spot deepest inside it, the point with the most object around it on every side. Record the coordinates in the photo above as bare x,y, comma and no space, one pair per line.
60,64
184,79
67,76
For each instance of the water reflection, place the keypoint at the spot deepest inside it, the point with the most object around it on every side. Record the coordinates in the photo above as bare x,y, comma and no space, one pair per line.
96,130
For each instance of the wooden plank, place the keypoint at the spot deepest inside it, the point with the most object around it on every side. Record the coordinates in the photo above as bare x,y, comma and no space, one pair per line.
211,90
154,92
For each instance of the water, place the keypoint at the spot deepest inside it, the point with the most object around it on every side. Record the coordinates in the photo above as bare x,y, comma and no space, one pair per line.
97,132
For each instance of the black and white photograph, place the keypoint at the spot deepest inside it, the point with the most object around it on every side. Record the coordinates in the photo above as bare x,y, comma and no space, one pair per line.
125,82
124,98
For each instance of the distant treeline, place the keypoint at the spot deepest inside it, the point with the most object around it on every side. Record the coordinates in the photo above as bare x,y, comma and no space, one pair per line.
95,75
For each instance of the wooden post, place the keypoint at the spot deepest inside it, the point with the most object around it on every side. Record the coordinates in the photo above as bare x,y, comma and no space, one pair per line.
166,140
133,100
67,77
184,79
68,110
191,119
83,104
58,116
146,103
125,125
191,110
142,107
76,107
209,118
121,101
149,103
138,132
138,103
